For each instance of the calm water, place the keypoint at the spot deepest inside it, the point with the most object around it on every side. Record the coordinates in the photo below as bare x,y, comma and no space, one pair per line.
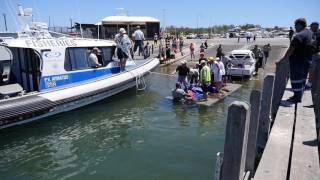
135,135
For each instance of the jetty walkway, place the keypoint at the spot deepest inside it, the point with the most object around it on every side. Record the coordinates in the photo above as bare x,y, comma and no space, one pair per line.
268,138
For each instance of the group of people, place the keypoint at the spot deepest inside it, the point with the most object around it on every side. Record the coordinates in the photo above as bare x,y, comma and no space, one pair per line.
202,47
208,74
261,55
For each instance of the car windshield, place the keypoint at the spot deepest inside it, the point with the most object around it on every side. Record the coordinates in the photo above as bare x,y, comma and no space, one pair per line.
240,56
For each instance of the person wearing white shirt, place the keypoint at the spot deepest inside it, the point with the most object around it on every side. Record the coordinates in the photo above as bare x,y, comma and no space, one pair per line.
215,73
138,40
222,70
93,59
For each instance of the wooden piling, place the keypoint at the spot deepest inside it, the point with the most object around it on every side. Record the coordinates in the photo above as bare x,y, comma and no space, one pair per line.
264,114
253,130
280,82
236,141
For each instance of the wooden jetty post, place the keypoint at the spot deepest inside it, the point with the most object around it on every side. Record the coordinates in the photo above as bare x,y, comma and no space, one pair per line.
255,99
264,114
280,82
236,141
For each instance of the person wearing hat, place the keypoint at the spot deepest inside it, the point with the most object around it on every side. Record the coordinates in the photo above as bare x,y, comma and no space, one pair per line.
205,78
299,56
93,58
183,72
138,37
123,47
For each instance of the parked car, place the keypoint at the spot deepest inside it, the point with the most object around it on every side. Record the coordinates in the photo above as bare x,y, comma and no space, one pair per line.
191,36
242,63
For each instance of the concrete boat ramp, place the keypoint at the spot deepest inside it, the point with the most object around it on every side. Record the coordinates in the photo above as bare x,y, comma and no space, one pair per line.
228,90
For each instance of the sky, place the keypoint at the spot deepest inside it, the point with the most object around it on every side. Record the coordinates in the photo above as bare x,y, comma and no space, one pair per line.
187,13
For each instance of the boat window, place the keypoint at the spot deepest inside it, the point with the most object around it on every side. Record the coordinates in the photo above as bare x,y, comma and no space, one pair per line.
5,62
107,54
76,59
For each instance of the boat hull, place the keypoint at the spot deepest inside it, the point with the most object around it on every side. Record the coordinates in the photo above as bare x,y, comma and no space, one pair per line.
29,108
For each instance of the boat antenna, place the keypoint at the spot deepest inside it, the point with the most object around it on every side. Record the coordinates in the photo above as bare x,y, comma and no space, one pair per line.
24,14
79,18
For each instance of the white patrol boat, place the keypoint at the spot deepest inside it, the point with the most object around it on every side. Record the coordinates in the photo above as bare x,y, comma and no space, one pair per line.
242,63
41,76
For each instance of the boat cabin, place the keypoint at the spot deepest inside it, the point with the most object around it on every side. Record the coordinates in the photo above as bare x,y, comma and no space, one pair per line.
35,65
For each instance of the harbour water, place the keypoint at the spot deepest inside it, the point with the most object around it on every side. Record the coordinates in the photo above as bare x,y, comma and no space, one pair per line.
133,135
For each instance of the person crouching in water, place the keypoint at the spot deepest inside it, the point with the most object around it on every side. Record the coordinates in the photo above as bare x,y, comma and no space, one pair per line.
183,72
123,47
205,78
179,94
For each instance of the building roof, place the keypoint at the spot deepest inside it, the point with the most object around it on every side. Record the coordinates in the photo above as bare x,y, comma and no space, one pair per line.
128,19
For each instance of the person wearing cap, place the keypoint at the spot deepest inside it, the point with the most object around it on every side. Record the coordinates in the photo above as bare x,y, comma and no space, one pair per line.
183,72
205,78
299,55
138,36
123,47
93,58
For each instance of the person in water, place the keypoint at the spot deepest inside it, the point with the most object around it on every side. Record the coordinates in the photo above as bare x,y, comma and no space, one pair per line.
178,93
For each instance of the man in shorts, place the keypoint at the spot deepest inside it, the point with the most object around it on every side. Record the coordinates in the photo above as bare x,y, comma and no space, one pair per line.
123,47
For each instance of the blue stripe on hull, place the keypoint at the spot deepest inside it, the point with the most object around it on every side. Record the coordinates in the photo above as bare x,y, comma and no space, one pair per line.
56,81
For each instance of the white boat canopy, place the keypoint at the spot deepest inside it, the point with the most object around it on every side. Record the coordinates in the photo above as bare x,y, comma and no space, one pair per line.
128,20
